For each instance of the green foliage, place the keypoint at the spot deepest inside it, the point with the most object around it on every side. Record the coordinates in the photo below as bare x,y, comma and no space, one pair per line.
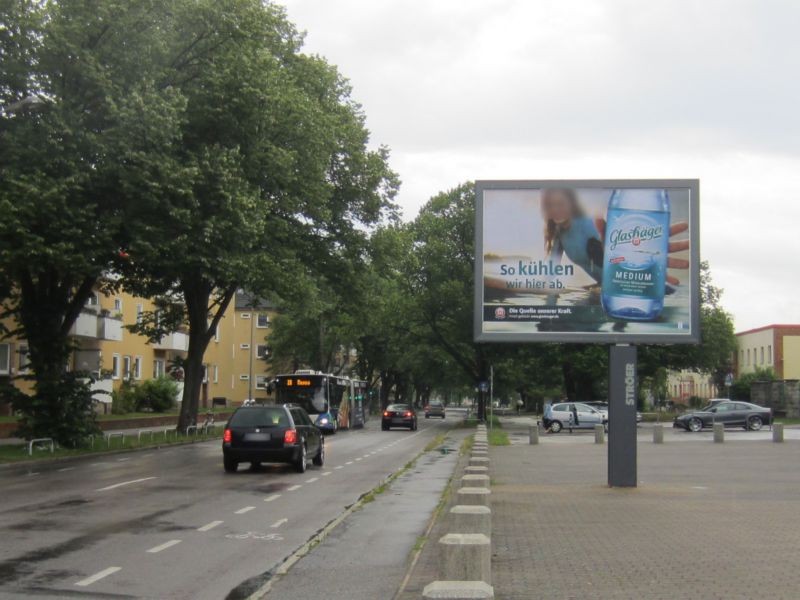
123,400
696,402
741,386
63,412
157,395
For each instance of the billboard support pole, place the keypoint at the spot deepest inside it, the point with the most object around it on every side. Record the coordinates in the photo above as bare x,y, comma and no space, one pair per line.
622,394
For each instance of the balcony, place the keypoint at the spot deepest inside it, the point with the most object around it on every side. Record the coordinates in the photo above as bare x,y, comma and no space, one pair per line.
86,325
109,328
176,340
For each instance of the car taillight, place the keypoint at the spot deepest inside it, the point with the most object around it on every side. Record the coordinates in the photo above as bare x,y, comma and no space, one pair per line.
227,436
409,414
290,437
386,413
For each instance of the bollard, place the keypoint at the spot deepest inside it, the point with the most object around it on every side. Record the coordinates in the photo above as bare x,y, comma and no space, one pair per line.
719,433
458,590
533,435
478,461
466,557
777,433
658,434
471,519
599,434
471,470
473,496
475,481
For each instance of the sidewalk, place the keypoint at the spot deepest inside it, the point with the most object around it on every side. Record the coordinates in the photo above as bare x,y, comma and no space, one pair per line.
707,521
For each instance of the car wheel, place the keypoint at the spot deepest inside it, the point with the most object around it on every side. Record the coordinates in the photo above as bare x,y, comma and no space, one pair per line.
319,459
755,423
230,465
427,416
555,426
695,424
302,460
385,427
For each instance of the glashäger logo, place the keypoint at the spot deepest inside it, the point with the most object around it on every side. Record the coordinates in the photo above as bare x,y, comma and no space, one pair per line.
636,235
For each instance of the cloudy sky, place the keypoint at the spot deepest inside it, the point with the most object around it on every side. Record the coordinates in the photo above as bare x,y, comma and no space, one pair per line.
518,89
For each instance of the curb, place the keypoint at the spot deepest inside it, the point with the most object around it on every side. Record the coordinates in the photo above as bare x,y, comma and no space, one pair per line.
286,564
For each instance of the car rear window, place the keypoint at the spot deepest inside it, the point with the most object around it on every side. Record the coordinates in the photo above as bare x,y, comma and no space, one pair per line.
398,407
260,416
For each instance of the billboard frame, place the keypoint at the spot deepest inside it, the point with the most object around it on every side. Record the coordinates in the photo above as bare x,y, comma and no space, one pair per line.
693,337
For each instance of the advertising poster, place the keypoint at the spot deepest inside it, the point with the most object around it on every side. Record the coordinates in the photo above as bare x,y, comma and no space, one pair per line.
601,261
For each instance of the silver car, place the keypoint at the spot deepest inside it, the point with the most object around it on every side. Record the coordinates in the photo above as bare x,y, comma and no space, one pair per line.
573,415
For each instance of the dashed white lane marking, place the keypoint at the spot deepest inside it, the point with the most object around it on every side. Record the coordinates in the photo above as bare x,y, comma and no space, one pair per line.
98,576
116,485
246,509
312,480
359,458
210,526
294,487
327,473
36,473
349,462
272,498
122,459
66,469
339,467
278,523
164,546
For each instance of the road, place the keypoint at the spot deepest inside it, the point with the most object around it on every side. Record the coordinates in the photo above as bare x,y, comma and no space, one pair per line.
171,524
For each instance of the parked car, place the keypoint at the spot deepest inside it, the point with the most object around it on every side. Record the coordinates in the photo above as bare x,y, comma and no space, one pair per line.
399,415
574,415
434,408
729,413
603,408
274,434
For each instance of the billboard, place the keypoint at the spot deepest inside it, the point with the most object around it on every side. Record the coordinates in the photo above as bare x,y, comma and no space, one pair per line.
606,261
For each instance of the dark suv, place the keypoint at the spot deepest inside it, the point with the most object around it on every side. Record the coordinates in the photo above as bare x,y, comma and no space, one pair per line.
271,433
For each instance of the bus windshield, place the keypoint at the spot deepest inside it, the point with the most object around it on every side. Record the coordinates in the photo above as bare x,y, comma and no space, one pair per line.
309,392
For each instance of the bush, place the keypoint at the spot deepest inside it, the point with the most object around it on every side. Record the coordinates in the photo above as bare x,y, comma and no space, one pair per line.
696,402
123,400
157,395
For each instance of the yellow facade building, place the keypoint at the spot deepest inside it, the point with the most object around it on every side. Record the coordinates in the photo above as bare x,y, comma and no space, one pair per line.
775,347
235,369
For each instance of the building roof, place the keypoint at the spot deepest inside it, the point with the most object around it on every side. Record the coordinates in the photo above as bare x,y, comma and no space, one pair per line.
247,301
791,326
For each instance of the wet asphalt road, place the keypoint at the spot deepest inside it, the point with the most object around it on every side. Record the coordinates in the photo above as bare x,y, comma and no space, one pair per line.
171,524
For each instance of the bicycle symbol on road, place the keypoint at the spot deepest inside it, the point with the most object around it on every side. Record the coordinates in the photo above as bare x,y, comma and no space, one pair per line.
255,535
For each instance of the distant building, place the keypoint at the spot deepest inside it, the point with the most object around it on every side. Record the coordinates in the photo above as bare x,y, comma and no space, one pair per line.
685,384
775,347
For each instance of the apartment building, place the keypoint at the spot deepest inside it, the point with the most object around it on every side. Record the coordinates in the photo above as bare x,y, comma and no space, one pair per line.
113,354
774,346
685,384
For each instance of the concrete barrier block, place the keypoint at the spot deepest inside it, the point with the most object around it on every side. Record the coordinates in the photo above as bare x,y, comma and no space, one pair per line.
470,519
473,496
458,590
481,470
777,432
466,557
479,461
599,434
475,481
719,433
533,434
658,434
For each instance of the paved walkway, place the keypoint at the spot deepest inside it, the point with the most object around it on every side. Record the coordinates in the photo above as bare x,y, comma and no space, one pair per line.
707,521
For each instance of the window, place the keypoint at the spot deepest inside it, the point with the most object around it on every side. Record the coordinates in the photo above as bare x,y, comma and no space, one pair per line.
748,357
262,351
158,367
216,374
126,367
93,300
216,332
118,305
769,354
244,377
262,321
115,367
137,367
762,355
245,315
24,360
261,382
205,373
244,346
139,313
5,359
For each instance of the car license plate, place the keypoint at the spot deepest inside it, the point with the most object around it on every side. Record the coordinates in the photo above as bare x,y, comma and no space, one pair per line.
256,437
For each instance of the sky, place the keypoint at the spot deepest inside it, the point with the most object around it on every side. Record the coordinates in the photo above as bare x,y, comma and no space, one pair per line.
461,90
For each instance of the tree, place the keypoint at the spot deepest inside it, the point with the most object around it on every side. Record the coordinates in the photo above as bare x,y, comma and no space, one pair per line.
272,176
81,126
741,387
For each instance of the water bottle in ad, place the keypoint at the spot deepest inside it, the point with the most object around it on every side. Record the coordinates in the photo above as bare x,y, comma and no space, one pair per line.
635,254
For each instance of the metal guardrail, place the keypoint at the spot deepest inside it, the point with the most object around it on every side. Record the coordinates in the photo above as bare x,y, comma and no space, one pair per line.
142,432
110,436
191,428
39,441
